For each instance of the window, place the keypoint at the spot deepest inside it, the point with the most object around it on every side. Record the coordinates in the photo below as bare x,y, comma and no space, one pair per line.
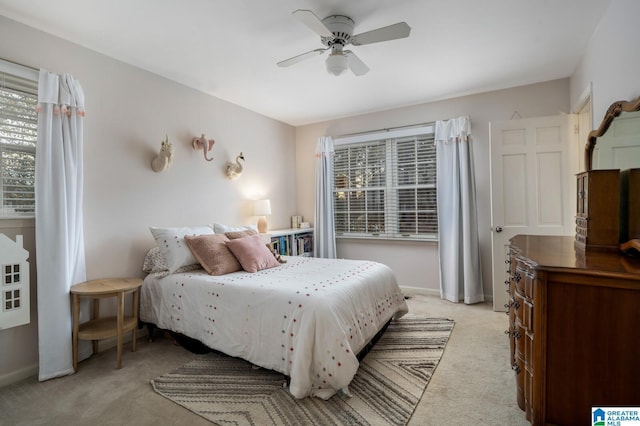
18,135
386,187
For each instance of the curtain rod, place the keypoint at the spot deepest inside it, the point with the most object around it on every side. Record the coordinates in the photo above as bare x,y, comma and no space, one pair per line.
19,64
22,71
387,129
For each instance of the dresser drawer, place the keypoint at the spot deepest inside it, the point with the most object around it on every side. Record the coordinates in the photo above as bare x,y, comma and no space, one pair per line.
528,351
581,224
517,306
520,373
512,344
528,284
527,315
521,338
528,394
519,277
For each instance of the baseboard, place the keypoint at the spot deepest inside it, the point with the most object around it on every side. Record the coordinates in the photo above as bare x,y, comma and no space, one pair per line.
104,344
18,375
420,291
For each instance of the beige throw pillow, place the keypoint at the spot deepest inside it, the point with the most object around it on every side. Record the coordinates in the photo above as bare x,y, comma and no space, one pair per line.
232,235
252,253
213,254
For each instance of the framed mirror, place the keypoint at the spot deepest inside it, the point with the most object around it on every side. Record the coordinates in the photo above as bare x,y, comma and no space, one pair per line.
608,213
616,143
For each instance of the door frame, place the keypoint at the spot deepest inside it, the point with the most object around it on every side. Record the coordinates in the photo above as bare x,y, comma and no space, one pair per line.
584,110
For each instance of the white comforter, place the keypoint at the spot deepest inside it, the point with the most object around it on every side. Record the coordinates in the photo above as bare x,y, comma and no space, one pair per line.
307,318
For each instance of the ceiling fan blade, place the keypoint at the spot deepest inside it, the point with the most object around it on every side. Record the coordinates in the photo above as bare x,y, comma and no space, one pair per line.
309,18
392,32
355,64
301,57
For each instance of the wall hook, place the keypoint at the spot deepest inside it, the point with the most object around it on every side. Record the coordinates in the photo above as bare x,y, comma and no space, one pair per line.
203,144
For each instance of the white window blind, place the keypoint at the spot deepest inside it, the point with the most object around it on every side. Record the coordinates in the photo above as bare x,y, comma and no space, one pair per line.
18,136
415,165
386,188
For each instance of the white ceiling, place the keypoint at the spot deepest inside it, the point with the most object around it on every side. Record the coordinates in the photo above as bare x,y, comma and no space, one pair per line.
229,48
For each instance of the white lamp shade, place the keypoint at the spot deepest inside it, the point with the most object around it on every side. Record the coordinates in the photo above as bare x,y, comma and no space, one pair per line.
337,63
261,207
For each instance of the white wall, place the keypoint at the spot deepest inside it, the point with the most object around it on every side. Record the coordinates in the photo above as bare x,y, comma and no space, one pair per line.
611,61
129,111
416,264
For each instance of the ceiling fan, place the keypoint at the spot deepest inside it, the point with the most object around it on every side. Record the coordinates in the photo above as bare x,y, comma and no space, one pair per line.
336,31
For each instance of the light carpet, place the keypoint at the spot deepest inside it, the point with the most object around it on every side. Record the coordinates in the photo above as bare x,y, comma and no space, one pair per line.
385,391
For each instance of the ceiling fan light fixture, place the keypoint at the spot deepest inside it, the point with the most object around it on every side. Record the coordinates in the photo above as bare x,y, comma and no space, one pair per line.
336,33
337,63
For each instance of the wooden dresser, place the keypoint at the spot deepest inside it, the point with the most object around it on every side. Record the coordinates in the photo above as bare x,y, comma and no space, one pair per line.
574,329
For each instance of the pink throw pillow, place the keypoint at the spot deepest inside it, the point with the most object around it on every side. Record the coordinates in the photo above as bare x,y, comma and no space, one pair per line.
213,254
252,253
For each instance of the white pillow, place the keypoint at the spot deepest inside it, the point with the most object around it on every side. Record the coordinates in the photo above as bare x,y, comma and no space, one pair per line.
173,247
156,263
219,228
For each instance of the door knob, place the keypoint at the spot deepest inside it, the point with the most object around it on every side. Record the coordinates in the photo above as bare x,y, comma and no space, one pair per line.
498,229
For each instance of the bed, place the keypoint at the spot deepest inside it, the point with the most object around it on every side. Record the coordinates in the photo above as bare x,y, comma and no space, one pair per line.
307,318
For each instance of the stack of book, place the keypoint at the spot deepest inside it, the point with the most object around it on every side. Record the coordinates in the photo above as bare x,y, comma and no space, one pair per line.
296,221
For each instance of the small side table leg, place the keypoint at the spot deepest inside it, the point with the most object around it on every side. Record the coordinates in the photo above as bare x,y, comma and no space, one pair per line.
95,305
76,326
135,302
120,321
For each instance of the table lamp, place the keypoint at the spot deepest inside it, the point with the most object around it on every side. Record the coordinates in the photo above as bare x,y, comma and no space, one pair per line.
262,208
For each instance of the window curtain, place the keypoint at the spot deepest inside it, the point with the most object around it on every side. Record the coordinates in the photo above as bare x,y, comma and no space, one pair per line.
458,247
324,241
59,230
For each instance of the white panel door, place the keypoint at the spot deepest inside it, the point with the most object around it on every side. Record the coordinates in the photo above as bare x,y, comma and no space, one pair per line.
532,186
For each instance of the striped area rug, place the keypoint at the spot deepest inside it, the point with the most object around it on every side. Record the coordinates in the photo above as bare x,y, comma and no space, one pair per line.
385,391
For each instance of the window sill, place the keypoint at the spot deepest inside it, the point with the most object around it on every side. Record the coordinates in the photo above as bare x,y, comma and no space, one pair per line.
17,222
388,239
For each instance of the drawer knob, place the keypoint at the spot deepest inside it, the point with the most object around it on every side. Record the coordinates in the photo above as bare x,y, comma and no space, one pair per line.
516,368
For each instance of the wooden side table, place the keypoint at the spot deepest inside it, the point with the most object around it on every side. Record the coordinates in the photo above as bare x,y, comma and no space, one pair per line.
101,328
